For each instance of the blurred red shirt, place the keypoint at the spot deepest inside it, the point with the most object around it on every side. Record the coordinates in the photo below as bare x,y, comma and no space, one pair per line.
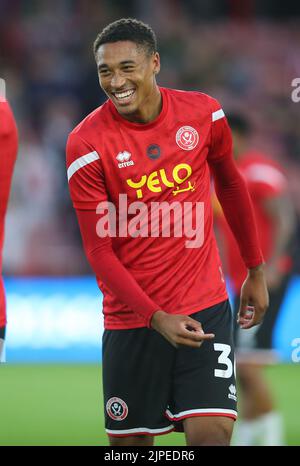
265,179
8,154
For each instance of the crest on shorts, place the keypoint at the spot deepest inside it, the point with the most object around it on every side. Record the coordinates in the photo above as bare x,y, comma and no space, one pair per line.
187,138
117,409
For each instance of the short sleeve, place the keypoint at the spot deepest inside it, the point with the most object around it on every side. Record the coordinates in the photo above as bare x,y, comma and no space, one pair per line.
85,174
221,139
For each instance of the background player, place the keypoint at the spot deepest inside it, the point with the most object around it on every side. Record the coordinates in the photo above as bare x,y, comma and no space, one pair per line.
8,154
156,282
274,214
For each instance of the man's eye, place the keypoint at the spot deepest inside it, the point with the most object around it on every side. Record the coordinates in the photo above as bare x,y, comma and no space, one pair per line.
128,69
104,72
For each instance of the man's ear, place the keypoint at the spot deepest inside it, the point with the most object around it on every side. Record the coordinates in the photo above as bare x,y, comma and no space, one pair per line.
156,62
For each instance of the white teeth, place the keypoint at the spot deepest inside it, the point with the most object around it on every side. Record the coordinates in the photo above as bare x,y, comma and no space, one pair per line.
123,95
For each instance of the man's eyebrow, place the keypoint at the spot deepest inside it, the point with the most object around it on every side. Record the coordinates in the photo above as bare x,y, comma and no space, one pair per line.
124,62
128,62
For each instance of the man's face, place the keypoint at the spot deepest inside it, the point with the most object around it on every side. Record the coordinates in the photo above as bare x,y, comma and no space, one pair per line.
127,75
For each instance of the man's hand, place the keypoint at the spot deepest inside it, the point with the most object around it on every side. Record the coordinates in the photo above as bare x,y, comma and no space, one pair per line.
254,298
179,329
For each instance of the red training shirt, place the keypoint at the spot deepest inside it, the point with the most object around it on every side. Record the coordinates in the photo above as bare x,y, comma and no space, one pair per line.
166,160
8,154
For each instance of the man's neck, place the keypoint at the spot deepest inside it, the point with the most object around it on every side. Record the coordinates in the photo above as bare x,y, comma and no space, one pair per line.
150,110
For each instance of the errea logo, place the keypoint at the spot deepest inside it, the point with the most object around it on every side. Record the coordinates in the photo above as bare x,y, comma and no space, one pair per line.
232,394
123,158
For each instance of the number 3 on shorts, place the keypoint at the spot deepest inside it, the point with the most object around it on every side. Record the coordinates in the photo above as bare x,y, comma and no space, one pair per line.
224,359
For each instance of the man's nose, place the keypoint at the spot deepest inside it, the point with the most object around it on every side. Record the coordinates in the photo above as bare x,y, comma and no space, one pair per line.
117,81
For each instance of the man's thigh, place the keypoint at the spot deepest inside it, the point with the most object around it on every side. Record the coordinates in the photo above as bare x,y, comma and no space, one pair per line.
208,431
137,374
204,378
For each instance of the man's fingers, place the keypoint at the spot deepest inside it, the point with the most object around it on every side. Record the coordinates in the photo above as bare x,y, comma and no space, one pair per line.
194,336
189,342
185,331
244,307
244,324
246,315
253,317
248,324
192,325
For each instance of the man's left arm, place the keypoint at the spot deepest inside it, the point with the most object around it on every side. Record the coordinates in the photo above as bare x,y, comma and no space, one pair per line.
234,198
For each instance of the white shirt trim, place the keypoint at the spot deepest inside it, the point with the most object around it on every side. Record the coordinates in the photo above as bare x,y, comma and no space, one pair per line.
217,115
81,162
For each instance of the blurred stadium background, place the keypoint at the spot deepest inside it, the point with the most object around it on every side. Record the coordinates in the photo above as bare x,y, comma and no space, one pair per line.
246,54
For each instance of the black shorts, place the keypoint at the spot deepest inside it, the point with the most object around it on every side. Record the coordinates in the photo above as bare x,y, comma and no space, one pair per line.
256,344
150,386
2,332
2,344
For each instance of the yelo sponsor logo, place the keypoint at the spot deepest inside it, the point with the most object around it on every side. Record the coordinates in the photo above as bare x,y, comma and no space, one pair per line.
154,181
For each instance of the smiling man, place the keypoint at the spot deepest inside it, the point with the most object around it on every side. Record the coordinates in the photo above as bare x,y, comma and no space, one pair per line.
133,89
168,357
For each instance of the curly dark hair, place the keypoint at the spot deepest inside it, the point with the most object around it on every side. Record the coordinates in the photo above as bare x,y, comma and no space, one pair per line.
128,29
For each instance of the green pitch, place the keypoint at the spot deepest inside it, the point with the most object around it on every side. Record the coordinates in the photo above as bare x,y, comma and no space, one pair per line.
62,405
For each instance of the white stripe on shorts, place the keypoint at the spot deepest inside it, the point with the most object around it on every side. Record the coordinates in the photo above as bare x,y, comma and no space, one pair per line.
201,411
140,430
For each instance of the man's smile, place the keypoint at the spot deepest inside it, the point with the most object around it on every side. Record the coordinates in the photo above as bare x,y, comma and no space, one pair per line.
125,96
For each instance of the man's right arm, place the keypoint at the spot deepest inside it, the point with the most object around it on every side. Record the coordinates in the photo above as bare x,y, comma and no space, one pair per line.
109,269
177,329
87,189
